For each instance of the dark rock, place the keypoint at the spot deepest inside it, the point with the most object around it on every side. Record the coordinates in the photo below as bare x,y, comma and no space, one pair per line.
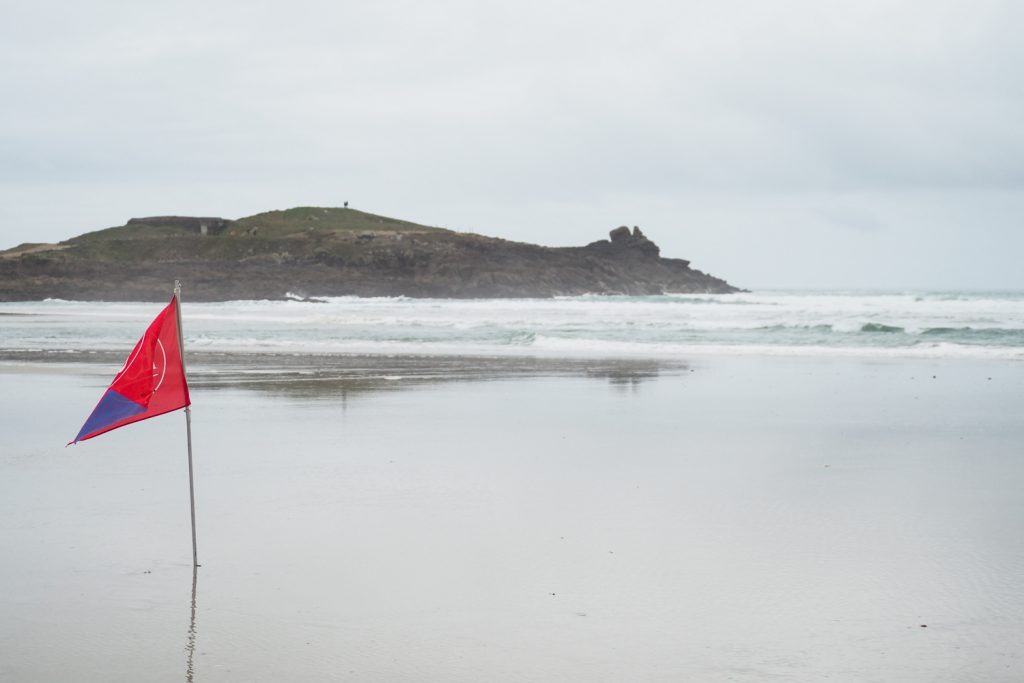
623,240
619,235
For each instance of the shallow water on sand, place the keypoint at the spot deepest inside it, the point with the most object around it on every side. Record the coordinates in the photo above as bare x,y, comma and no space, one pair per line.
735,519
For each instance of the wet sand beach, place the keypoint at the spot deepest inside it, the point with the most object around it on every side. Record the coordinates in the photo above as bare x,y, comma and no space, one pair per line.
381,519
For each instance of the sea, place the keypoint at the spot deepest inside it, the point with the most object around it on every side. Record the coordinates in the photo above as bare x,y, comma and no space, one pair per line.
923,324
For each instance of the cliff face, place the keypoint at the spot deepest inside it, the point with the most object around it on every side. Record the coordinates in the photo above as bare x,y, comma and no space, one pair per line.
332,252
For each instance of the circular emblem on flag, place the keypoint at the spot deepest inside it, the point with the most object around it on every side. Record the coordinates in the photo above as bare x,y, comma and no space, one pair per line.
159,365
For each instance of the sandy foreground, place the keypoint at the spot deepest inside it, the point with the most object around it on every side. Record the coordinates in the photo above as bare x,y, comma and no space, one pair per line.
445,519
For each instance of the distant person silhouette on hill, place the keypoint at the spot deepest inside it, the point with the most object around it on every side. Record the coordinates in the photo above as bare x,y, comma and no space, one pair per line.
346,205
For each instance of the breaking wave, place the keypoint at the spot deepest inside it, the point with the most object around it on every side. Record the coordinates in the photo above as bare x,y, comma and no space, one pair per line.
982,325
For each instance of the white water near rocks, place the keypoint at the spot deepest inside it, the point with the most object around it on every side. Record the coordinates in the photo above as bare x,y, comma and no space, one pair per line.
886,324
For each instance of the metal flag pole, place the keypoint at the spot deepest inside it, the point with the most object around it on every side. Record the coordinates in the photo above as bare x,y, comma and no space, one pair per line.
188,422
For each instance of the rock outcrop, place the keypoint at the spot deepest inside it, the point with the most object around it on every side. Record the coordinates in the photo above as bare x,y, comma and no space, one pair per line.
621,240
309,252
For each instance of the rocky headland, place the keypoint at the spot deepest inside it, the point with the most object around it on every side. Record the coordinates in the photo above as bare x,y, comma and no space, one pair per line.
311,252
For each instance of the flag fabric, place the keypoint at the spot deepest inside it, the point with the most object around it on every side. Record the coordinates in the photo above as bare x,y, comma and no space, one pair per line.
151,382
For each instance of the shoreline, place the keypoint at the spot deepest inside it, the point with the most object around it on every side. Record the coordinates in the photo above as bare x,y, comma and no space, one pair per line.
312,375
599,353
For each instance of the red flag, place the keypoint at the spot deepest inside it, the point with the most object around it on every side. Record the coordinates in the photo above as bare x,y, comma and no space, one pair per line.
151,382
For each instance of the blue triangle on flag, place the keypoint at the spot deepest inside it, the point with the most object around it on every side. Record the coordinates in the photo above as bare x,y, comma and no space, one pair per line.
112,408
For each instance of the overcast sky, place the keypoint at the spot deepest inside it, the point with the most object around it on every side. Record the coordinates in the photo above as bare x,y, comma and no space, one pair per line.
777,144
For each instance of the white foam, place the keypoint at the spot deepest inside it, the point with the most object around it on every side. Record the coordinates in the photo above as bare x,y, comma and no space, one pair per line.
770,323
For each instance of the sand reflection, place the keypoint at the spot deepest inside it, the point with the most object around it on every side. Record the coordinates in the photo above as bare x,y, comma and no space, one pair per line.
313,376
190,642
